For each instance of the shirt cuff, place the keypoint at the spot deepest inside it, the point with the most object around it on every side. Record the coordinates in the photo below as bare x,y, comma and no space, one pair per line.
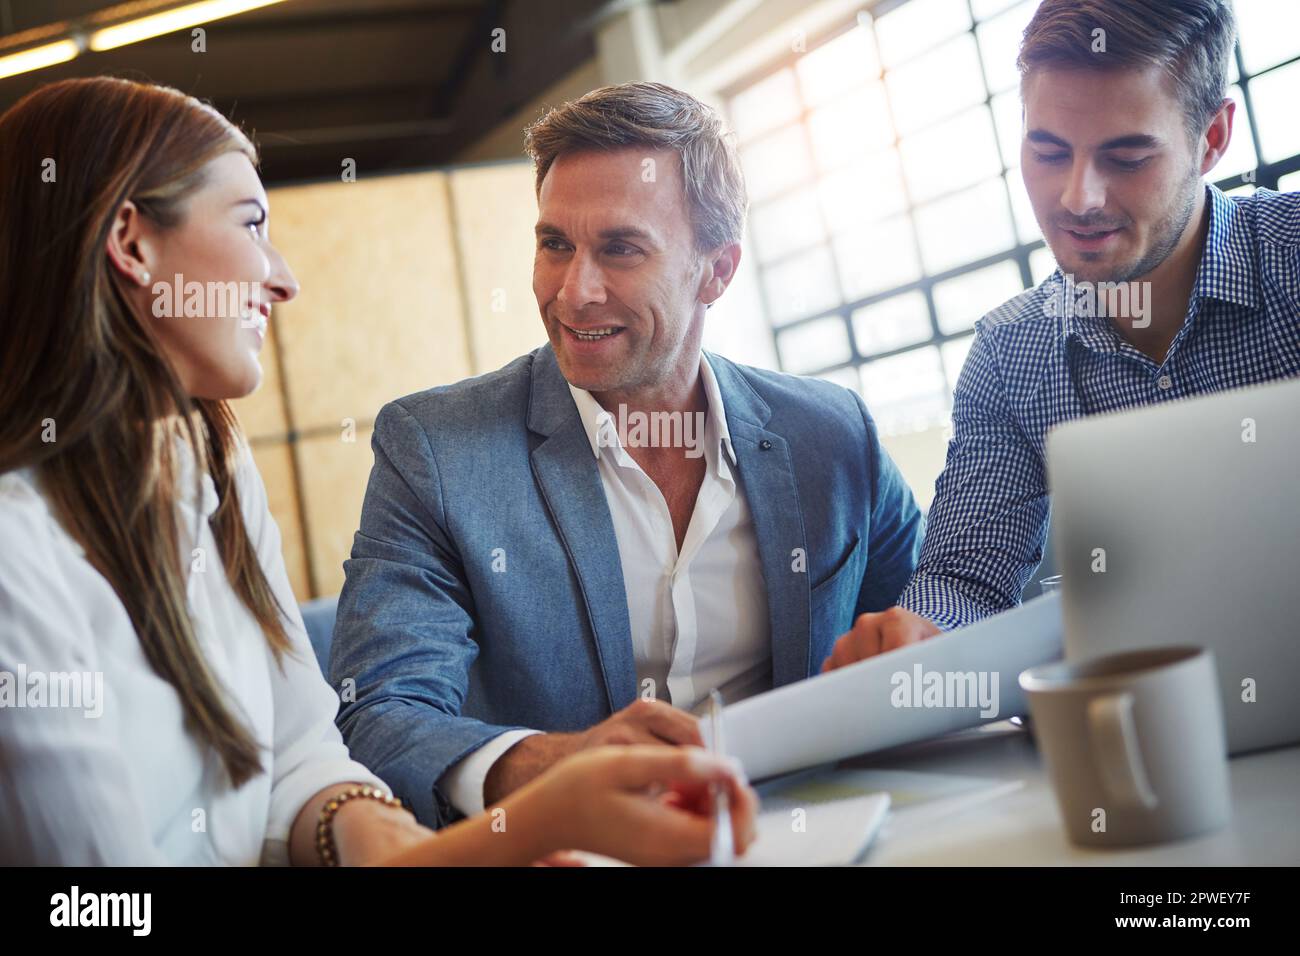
942,602
463,782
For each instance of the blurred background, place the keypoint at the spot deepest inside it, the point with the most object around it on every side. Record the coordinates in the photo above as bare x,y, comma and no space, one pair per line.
879,140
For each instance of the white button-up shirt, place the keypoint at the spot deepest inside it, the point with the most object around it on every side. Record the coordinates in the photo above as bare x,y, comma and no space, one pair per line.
130,784
698,617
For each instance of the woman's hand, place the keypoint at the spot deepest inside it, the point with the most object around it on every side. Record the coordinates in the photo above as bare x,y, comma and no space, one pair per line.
648,805
642,804
368,833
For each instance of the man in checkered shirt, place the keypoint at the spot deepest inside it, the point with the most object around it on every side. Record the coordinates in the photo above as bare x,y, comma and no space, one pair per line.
1124,114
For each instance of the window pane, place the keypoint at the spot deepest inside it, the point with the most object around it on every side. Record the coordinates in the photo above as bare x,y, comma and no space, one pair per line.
814,345
936,85
917,25
951,155
866,191
892,323
1022,209
987,8
876,258
837,66
1008,120
960,301
776,162
1269,32
906,392
954,357
964,227
786,225
851,126
1000,43
1289,183
1241,151
803,285
1041,264
1274,96
846,377
766,105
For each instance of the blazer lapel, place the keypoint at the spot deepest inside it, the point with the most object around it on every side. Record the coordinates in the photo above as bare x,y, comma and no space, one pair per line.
767,477
567,474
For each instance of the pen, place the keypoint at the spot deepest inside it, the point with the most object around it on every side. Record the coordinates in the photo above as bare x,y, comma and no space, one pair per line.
722,852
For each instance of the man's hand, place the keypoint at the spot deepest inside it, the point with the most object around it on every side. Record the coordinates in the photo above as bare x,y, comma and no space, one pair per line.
641,722
874,634
645,722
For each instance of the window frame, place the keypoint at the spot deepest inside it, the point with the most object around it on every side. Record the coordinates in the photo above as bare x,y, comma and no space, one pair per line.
1264,174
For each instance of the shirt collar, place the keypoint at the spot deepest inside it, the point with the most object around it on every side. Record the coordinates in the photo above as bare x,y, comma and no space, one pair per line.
1227,270
595,419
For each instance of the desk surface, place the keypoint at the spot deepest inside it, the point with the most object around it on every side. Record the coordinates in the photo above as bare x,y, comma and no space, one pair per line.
1022,827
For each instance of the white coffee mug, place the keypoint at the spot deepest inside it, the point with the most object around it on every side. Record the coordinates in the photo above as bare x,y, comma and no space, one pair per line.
1134,744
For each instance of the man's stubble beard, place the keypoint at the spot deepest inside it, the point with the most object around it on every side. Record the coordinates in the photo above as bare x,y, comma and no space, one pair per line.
1165,240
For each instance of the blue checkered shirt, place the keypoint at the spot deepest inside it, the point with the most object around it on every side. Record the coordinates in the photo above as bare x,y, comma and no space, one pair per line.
1033,366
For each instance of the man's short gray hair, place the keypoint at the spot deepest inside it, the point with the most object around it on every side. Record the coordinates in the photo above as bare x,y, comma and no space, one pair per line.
654,116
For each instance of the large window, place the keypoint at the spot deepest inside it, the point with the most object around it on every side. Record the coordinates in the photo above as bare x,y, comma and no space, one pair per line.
887,208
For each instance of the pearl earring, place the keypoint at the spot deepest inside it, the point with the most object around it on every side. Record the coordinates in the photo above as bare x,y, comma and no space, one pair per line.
143,278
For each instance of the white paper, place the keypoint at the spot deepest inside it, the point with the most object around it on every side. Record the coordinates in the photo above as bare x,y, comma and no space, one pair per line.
830,833
856,709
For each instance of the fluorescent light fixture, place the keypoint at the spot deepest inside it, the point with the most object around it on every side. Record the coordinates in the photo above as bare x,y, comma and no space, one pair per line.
38,57
169,21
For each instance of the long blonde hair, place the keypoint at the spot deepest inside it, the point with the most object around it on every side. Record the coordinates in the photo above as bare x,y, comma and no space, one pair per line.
73,350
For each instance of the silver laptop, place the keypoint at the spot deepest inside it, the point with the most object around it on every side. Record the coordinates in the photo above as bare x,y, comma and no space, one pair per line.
1194,508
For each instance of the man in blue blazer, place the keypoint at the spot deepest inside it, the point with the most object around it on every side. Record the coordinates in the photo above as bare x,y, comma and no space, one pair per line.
573,550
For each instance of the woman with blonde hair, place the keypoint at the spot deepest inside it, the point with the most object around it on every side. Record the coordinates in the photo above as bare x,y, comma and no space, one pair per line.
164,705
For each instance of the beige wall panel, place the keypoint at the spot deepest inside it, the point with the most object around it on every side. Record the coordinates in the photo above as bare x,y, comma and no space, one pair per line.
495,212
275,462
920,457
333,474
380,312
262,414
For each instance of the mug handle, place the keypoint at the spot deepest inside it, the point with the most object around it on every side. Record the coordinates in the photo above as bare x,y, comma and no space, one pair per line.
1115,746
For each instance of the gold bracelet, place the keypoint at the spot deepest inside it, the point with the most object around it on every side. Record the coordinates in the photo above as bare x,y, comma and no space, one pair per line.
325,847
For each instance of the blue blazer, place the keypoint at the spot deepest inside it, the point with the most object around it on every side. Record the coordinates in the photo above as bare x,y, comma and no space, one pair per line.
485,591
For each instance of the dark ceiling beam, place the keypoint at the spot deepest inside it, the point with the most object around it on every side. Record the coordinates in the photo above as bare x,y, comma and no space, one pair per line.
348,19
472,45
569,44
428,124
360,133
307,98
282,19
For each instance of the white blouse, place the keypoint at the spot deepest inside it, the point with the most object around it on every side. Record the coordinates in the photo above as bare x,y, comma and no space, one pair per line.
114,777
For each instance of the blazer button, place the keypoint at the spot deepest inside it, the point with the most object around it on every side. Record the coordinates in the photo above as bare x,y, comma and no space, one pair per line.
765,445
